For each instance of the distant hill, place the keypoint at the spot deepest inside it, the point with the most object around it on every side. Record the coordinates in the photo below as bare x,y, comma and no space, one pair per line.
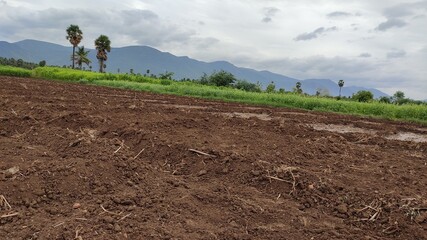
142,58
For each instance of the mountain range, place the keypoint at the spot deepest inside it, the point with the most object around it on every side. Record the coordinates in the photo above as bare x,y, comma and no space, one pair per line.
143,58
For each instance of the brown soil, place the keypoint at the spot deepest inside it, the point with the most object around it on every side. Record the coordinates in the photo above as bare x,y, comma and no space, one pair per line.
85,162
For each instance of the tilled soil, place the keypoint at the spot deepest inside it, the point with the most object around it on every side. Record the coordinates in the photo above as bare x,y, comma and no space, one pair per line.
85,162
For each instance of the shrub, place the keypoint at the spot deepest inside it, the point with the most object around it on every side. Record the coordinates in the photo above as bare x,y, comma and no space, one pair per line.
363,96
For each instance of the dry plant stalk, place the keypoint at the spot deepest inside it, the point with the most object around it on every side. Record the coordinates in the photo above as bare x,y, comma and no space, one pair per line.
286,169
9,215
202,153
137,155
375,206
4,204
105,210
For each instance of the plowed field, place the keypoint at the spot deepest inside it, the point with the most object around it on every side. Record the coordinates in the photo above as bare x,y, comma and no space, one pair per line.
85,162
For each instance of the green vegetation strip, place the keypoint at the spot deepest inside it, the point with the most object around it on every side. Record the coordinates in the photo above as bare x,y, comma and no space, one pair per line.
414,113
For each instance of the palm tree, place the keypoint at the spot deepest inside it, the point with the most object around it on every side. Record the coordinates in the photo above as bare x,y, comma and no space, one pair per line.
81,57
297,88
75,36
340,84
103,45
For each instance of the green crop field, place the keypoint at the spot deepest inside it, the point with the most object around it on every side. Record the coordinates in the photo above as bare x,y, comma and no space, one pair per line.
408,112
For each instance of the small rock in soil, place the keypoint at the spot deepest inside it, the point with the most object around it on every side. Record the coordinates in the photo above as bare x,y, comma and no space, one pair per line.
11,171
421,218
108,219
76,205
202,172
342,208
117,228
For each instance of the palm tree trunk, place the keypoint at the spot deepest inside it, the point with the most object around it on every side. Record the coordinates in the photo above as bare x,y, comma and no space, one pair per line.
101,64
74,54
340,92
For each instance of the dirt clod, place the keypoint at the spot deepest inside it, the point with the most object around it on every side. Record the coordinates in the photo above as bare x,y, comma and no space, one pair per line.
421,218
342,208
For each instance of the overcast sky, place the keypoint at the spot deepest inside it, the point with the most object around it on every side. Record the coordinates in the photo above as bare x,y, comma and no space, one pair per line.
371,43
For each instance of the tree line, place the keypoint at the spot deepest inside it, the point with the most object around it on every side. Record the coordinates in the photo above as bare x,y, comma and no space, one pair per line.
102,46
21,63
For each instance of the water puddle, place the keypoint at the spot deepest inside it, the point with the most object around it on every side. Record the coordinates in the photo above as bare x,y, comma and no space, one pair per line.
401,136
300,114
261,116
407,136
341,128
188,106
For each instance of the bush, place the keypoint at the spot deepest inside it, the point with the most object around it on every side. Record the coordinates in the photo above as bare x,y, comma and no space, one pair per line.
271,88
363,96
222,78
247,86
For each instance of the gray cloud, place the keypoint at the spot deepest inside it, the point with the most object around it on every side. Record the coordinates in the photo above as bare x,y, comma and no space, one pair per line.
339,14
3,2
390,23
365,55
315,33
124,27
405,9
396,54
269,13
397,13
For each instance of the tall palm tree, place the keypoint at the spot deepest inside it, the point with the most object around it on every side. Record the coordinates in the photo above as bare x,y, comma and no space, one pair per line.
81,57
75,36
340,84
103,45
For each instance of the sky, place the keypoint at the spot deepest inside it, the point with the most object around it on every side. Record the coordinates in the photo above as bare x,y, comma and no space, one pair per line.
370,43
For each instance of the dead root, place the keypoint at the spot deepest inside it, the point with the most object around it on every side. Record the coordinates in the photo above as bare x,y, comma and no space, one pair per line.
4,205
285,171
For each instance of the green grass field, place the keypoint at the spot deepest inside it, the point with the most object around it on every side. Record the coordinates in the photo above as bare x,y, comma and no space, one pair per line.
413,113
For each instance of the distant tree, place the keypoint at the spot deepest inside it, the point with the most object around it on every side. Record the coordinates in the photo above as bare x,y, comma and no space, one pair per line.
42,63
102,45
271,88
81,57
340,84
166,75
131,71
385,99
75,36
204,79
399,97
363,96
281,90
297,88
20,63
222,78
17,63
247,86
